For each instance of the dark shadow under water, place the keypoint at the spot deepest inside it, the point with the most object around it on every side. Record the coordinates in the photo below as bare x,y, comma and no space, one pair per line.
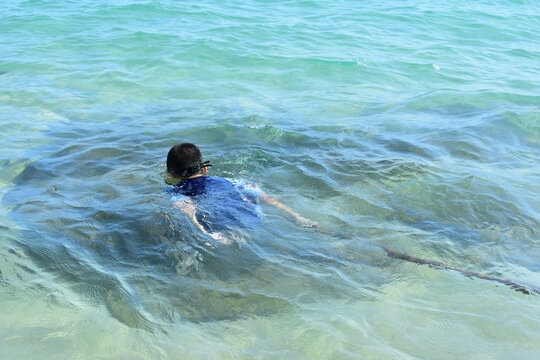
109,234
106,230
142,259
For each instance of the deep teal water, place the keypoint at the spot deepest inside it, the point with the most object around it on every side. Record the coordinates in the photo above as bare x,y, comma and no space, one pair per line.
414,127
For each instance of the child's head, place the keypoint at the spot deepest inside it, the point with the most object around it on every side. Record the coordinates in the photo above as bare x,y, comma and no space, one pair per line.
185,160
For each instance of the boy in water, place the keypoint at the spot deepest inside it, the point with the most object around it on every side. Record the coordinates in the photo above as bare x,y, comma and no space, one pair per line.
213,203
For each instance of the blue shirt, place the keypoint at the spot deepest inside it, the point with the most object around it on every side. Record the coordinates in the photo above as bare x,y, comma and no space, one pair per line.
221,203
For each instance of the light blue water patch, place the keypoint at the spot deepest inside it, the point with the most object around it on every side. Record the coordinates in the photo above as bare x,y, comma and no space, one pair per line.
411,126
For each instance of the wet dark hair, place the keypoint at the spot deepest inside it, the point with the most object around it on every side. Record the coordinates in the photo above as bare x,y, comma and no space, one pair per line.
185,160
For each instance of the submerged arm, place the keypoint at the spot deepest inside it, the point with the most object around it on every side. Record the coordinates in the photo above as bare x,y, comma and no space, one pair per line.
270,200
190,210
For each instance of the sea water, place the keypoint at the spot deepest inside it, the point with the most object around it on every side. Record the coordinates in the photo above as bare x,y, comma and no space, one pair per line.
411,125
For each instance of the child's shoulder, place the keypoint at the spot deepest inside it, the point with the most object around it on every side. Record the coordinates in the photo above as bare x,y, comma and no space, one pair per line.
246,189
216,185
249,190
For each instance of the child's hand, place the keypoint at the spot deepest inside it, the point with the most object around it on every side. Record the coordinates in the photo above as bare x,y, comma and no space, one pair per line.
306,222
300,219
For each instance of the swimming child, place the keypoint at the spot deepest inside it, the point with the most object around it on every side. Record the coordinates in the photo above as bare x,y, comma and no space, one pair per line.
215,204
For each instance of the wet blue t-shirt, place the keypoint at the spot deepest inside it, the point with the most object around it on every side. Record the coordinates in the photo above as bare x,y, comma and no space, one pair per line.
221,204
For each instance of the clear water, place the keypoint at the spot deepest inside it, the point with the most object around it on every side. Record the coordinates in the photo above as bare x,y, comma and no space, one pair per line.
410,126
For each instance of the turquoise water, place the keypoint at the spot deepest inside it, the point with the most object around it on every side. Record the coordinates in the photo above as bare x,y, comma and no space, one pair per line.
414,127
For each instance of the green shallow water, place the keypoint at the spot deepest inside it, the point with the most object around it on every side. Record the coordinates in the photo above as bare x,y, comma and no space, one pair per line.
412,127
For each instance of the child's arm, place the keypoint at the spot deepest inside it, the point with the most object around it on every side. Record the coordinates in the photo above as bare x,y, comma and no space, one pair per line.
190,210
267,199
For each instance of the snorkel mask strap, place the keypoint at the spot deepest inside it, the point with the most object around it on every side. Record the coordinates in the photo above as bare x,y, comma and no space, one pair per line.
194,169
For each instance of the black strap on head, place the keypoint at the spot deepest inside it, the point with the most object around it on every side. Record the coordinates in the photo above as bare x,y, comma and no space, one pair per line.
192,170
205,164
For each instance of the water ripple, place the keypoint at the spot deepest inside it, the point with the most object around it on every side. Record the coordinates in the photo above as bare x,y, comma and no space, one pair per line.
409,126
